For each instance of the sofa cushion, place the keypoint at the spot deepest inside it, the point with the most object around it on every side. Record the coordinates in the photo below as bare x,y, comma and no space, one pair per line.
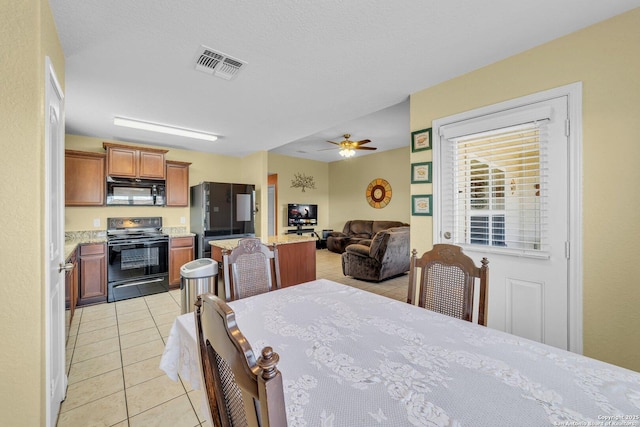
378,244
361,228
358,249
378,226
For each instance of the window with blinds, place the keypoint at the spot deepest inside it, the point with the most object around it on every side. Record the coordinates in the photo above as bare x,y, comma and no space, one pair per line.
496,194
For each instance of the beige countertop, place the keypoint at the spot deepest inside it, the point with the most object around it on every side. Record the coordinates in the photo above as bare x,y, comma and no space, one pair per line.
177,232
75,238
185,234
282,239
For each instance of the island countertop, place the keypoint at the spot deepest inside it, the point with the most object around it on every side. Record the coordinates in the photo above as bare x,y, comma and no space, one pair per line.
281,239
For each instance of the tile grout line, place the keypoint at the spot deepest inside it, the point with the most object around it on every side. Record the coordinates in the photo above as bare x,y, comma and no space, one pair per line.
181,382
124,383
186,394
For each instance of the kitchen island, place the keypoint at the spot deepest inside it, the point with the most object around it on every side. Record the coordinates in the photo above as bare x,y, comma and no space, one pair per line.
296,256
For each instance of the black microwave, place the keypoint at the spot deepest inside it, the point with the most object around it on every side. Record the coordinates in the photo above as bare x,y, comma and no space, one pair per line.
135,192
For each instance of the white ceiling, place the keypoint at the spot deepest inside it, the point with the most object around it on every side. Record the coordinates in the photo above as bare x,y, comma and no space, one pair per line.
315,69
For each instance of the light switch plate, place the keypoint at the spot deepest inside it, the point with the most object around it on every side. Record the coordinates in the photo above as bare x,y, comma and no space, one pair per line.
96,222
183,220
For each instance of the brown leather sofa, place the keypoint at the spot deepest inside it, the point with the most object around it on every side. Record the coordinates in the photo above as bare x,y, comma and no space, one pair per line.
357,230
387,256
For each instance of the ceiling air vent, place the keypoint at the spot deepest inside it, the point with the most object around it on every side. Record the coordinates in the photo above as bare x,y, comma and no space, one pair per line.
217,63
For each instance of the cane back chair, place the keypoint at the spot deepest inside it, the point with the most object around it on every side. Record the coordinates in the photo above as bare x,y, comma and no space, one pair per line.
240,390
250,269
446,282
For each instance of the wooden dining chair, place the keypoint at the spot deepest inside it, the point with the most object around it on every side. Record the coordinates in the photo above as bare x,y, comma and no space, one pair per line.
240,390
446,282
250,269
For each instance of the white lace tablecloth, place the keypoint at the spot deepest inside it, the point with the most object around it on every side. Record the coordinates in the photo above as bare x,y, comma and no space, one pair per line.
181,351
353,358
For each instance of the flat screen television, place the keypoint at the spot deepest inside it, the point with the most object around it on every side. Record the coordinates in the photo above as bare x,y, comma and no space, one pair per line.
302,214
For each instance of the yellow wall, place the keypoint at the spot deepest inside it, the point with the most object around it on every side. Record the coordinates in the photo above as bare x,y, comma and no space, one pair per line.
26,38
286,167
606,58
348,181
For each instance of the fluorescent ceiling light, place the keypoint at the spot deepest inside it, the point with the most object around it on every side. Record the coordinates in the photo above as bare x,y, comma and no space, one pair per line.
157,127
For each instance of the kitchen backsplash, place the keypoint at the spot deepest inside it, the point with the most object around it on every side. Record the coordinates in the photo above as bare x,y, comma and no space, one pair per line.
86,236
173,231
90,236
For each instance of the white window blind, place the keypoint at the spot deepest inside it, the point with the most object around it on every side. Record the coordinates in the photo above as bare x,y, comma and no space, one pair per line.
494,187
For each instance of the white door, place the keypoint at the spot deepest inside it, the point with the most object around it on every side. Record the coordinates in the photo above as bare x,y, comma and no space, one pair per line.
54,235
503,186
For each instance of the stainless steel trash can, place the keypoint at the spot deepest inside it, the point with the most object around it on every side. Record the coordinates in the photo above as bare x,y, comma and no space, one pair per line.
196,278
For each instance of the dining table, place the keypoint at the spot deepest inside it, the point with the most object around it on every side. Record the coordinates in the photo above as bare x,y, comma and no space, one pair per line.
353,358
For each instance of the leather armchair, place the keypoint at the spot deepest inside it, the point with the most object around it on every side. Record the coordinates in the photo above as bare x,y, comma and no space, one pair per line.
387,256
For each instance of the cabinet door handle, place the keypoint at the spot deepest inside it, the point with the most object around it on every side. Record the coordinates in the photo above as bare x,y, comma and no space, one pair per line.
65,267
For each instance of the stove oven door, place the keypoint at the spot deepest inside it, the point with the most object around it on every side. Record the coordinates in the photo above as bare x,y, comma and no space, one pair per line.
137,268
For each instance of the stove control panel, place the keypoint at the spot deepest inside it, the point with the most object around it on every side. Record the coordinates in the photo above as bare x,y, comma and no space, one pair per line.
134,223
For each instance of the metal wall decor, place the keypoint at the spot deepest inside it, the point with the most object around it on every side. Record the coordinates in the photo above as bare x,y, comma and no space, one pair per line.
300,180
378,193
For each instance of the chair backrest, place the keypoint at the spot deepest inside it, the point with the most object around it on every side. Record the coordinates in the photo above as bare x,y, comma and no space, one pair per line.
396,238
250,269
446,282
240,390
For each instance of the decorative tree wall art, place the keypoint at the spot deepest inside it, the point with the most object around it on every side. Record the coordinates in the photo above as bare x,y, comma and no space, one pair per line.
303,181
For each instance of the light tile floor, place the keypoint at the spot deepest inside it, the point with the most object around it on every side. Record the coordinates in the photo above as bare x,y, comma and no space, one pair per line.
114,351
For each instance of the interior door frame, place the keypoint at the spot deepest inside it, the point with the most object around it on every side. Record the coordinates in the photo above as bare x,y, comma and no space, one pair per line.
573,92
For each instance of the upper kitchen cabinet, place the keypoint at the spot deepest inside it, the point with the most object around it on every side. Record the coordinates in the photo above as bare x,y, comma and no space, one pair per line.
84,178
177,183
134,162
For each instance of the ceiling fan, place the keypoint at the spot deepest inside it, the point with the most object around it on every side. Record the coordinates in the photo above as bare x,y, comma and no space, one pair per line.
348,147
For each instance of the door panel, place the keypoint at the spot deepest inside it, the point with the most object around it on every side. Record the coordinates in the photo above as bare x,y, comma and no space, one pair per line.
56,380
528,290
525,309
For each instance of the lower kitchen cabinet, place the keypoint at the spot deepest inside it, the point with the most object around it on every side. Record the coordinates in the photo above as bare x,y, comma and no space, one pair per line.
181,251
92,287
71,288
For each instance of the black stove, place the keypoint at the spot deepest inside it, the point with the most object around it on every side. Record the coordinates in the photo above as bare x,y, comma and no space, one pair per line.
134,229
134,226
138,257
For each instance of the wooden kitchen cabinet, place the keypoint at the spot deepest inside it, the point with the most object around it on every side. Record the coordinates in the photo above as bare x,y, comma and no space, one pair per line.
84,178
177,186
297,262
71,287
181,251
92,286
133,162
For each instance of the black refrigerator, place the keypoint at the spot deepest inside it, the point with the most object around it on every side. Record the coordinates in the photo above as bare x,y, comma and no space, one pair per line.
221,210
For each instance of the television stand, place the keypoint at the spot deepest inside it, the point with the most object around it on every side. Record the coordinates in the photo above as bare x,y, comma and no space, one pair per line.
300,231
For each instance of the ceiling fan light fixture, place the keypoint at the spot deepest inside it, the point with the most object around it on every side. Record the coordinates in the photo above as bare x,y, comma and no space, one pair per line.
347,152
162,128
